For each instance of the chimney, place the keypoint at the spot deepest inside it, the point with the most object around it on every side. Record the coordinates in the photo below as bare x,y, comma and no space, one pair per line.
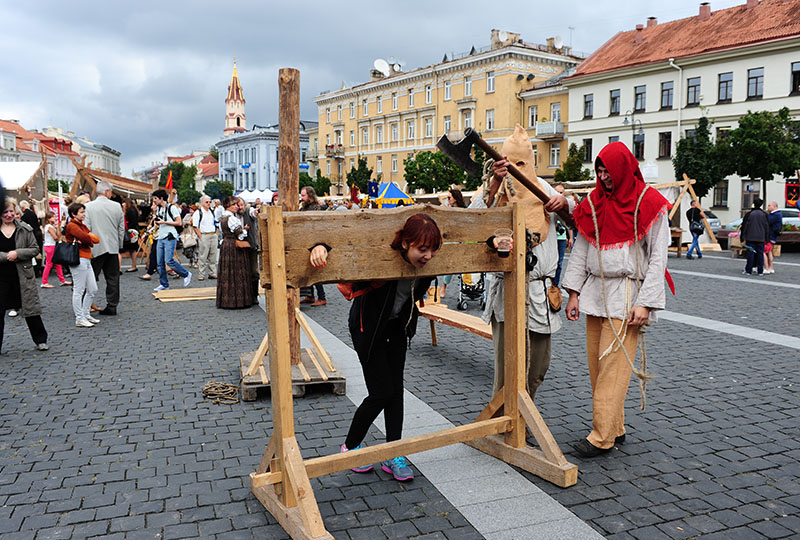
705,11
375,75
752,3
551,43
651,22
639,37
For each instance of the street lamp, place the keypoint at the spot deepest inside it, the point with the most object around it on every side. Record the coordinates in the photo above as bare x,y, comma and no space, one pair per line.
633,122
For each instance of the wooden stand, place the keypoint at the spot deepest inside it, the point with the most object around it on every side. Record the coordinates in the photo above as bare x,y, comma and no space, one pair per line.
360,252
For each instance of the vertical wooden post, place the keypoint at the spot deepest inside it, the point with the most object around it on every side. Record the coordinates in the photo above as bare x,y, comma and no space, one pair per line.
289,177
515,327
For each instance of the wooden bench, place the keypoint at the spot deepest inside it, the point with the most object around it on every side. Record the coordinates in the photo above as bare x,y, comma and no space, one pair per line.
442,314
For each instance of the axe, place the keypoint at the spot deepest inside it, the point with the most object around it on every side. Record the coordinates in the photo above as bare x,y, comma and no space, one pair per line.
460,154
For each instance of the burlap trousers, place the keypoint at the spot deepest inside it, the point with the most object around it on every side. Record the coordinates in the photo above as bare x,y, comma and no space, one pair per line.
609,377
538,360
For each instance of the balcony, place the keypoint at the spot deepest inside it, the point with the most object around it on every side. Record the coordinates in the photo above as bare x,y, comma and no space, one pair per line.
312,155
550,130
334,150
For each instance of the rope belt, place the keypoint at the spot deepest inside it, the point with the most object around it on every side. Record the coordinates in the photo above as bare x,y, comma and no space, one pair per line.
619,336
221,393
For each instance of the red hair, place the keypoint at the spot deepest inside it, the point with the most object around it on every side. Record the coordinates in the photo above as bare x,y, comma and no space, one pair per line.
419,230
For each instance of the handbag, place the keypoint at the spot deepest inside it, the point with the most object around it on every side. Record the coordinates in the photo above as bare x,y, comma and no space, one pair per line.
697,227
554,297
242,244
67,253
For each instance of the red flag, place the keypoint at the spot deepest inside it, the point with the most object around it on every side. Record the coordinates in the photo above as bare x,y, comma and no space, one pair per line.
169,181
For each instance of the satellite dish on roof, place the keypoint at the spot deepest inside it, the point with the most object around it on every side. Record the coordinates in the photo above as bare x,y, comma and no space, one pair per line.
382,66
503,35
558,42
398,67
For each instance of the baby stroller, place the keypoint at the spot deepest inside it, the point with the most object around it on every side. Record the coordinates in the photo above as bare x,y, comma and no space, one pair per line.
470,287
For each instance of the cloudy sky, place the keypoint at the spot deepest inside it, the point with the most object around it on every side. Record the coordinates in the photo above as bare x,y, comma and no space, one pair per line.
149,78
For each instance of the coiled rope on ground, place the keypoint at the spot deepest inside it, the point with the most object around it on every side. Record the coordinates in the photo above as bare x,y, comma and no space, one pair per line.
221,393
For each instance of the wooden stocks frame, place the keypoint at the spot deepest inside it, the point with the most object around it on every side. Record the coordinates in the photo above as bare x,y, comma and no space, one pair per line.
360,252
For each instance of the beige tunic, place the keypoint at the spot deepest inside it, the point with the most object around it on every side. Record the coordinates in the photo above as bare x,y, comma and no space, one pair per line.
619,268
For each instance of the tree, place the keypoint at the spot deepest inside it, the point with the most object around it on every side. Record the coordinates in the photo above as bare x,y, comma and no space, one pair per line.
218,189
473,182
214,152
321,184
182,180
699,158
572,170
52,185
764,144
431,171
360,176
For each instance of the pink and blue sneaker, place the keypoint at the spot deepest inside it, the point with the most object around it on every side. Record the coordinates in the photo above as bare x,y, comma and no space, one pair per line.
398,468
363,468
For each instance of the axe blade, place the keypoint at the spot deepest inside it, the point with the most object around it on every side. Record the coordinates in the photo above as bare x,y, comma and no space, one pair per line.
460,154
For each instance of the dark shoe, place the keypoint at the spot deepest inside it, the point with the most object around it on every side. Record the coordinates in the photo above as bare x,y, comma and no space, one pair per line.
689,257
132,270
586,449
306,300
108,311
620,439
319,303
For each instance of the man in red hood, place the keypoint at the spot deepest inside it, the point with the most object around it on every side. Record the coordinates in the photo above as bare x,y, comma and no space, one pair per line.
615,277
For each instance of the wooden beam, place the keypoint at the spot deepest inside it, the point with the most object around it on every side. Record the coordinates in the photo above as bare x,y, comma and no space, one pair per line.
677,204
540,431
457,319
515,328
373,454
493,407
289,518
312,337
258,357
303,493
528,459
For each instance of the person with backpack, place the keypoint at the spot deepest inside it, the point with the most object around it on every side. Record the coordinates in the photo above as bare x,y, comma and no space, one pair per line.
170,225
695,217
383,318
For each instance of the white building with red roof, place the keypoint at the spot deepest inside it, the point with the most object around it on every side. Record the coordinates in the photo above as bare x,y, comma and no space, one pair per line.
648,87
34,146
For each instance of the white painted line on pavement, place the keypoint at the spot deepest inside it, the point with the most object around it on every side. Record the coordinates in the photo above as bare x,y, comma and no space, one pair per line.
733,329
758,280
731,259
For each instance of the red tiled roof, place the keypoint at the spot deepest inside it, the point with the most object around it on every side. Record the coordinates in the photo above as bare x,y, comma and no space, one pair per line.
730,28
210,169
172,159
208,159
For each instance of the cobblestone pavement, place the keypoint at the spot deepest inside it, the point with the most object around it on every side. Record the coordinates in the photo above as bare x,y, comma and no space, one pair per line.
107,434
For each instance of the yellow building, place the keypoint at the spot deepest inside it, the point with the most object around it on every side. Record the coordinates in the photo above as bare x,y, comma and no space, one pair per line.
544,106
399,113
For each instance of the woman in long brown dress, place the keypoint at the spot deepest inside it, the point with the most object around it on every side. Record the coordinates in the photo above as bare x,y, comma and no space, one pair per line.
233,277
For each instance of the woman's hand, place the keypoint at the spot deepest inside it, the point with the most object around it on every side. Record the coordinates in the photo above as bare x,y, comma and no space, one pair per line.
572,306
510,241
319,257
639,315
12,256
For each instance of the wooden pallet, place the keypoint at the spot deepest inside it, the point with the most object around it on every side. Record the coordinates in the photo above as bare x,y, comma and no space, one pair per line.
183,295
309,372
442,314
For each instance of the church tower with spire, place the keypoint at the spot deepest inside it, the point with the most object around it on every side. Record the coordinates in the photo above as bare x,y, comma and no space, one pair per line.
235,120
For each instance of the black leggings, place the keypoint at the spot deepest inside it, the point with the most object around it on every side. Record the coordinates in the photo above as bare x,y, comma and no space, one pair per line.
35,327
383,374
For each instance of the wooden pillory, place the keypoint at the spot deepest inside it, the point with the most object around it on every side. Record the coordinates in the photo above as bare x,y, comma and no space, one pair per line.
360,252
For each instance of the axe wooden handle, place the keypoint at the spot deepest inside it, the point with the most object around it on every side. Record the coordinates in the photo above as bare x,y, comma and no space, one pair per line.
472,135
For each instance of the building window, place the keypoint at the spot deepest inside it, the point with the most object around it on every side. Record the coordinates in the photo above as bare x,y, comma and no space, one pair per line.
638,147
667,89
613,138
394,132
725,87
447,124
588,105
795,88
723,133
429,127
352,163
555,154
721,194
755,83
394,101
613,106
690,134
490,119
328,115
533,116
665,144
328,168
447,91
339,137
364,136
352,109
379,165
489,82
410,130
379,103
467,119
693,91
535,156
467,86
639,98
378,134
428,94
410,97
555,112
338,112
587,150
394,162
352,137
366,107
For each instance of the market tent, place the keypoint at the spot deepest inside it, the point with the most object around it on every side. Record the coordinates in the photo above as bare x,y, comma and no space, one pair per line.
251,196
18,177
389,195
86,179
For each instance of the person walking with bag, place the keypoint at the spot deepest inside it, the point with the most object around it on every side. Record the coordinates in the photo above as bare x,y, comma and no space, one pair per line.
84,284
18,289
51,236
695,216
